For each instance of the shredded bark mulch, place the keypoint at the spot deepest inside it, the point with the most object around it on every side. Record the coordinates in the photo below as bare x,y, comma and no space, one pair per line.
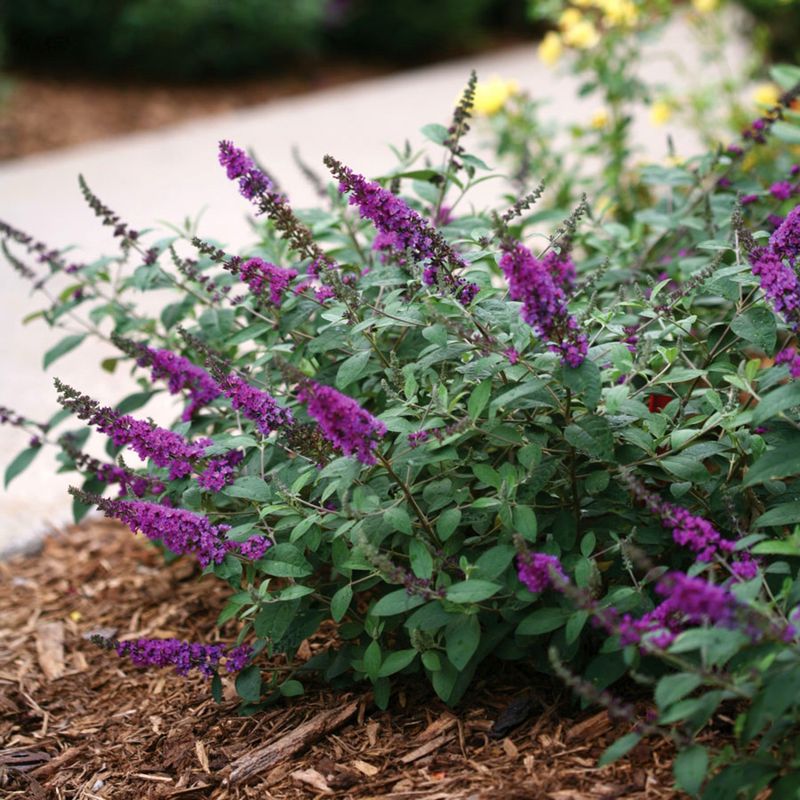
44,113
77,722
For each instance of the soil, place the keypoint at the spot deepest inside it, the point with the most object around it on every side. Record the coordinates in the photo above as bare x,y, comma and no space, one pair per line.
43,113
78,722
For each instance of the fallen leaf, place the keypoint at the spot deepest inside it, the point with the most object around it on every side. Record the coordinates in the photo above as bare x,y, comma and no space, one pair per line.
50,648
365,768
312,778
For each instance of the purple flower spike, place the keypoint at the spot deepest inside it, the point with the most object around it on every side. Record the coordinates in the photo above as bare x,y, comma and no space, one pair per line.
266,280
258,406
539,286
778,281
180,374
789,357
184,656
785,241
343,421
238,165
539,571
182,532
404,230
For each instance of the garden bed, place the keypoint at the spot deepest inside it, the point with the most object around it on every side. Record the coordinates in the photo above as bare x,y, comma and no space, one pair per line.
78,722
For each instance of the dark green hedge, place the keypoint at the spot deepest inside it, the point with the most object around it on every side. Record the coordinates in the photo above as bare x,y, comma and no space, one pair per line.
195,39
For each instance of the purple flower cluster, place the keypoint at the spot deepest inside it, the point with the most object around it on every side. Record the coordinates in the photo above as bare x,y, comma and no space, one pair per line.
785,241
343,421
404,230
165,448
180,374
129,482
257,406
778,282
184,656
689,601
790,357
219,472
182,532
264,278
693,532
539,571
539,286
239,166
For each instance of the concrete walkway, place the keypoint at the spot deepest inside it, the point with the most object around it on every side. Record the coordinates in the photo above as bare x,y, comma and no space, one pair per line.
171,173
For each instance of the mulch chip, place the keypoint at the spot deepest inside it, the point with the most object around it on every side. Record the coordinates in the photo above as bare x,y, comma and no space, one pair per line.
77,722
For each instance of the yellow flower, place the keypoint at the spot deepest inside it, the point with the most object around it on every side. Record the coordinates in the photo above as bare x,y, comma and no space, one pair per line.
582,35
766,94
705,6
569,18
492,95
551,48
675,161
600,119
619,12
660,112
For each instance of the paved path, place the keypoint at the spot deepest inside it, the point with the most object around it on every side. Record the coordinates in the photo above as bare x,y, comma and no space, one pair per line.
167,174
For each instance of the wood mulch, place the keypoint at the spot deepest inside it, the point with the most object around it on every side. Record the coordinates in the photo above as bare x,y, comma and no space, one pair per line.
45,113
77,722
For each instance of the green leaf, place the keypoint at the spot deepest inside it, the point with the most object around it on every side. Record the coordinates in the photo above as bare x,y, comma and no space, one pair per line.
291,688
20,463
67,344
525,522
340,602
396,602
399,519
284,560
585,381
786,132
216,688
462,637
133,402
489,476
757,325
372,660
248,684
447,522
672,688
396,661
351,368
249,487
620,748
435,132
776,401
690,769
782,462
479,398
420,559
783,514
472,591
592,436
543,620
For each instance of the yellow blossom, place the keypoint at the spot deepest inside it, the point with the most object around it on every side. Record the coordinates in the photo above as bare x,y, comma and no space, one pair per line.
600,119
766,94
492,95
705,6
582,35
619,12
660,112
75,616
675,161
550,48
569,18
